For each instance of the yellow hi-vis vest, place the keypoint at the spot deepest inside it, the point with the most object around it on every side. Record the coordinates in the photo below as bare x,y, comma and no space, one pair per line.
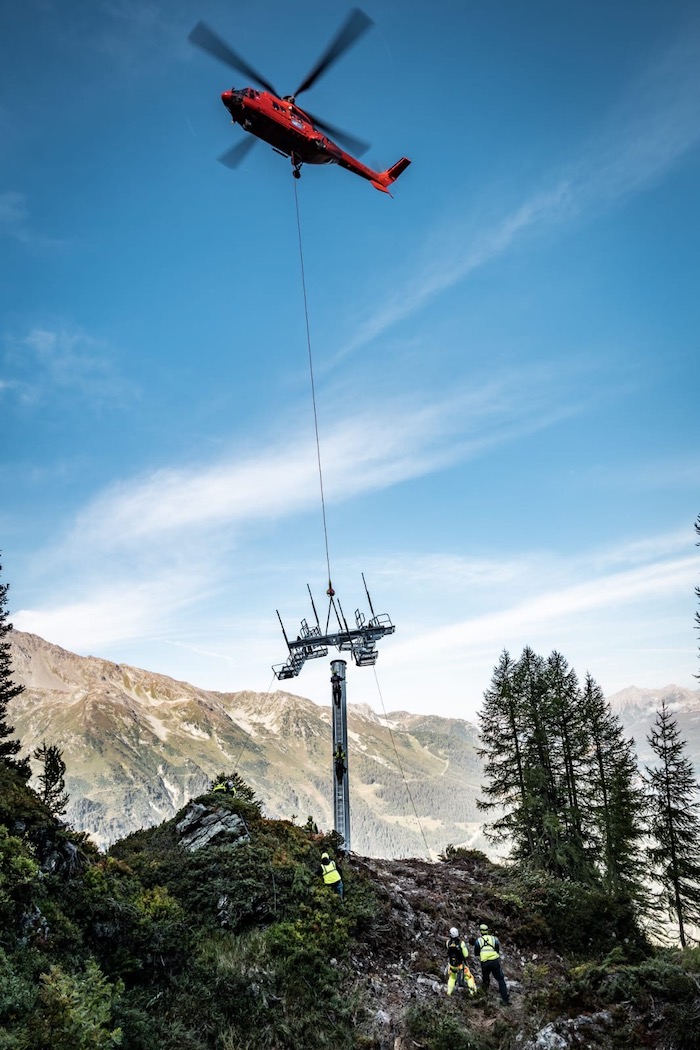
331,875
486,946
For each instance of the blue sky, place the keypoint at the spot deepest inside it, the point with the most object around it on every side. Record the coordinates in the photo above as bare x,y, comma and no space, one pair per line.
506,354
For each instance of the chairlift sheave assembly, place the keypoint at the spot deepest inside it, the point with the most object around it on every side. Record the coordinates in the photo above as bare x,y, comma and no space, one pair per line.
277,120
312,642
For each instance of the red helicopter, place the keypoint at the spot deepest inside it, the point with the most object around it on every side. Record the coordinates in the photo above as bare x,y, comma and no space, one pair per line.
278,120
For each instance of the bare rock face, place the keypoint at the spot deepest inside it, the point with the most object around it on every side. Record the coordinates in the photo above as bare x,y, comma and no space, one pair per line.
202,826
571,1032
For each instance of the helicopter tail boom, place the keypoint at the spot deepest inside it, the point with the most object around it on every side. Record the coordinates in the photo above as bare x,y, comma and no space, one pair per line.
386,178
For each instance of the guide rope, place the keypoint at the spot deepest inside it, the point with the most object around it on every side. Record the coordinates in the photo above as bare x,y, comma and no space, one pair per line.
248,736
398,762
330,591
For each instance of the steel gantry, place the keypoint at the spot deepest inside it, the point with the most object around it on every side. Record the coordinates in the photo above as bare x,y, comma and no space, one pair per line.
311,644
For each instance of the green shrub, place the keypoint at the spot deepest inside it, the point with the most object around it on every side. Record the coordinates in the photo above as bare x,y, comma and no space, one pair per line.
241,789
435,1029
17,991
615,981
18,877
76,1011
568,909
452,853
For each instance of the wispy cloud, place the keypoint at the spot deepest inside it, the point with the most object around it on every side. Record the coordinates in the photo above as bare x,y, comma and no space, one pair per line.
457,256
114,609
545,612
51,362
406,439
644,135
648,131
617,612
182,520
13,211
605,609
15,222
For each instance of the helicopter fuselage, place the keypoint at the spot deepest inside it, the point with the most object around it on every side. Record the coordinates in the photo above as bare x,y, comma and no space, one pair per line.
280,122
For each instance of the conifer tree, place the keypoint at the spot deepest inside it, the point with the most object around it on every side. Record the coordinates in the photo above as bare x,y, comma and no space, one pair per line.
52,790
501,732
561,773
534,745
627,804
538,803
240,789
8,690
674,824
614,796
569,748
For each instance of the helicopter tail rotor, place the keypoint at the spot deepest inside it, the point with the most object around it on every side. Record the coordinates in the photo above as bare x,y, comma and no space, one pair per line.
386,178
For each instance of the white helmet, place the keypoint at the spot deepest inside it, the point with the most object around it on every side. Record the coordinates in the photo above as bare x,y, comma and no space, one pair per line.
454,932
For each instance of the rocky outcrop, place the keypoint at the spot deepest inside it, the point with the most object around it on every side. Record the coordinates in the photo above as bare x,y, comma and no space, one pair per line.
203,825
583,1031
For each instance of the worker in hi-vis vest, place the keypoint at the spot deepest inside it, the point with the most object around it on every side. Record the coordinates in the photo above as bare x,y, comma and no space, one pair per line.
458,972
331,876
487,949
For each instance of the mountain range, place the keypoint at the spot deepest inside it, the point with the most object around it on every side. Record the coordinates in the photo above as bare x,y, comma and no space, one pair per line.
139,745
636,708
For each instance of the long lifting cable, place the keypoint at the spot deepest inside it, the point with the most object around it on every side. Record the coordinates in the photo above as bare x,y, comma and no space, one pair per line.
398,762
313,388
248,736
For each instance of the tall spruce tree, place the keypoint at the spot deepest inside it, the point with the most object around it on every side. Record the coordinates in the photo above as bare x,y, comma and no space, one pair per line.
534,745
569,750
501,731
561,779
623,873
615,801
539,813
52,784
674,824
8,690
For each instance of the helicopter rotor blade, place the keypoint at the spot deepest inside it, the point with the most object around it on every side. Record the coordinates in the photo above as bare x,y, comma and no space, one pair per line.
206,39
344,138
355,25
233,156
